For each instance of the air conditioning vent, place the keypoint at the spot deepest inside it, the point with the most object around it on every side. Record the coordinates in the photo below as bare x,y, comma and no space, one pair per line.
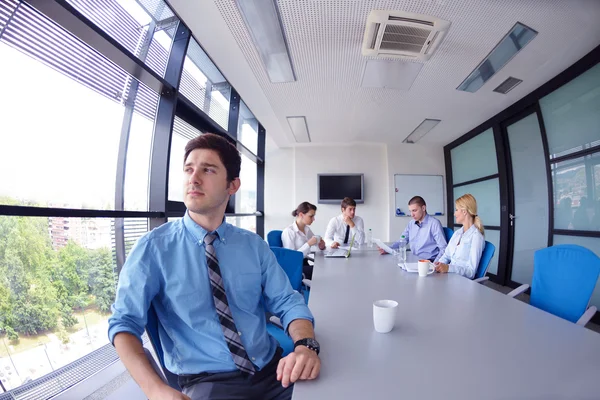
508,85
400,34
415,21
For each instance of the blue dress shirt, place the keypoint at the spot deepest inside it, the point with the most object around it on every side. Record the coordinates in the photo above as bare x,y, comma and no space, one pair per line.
427,240
167,267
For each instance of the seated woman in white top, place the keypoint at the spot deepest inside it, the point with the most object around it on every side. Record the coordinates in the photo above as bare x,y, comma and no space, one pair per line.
298,236
464,250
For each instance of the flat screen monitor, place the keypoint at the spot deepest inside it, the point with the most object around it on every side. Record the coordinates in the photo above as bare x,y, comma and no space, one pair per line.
332,188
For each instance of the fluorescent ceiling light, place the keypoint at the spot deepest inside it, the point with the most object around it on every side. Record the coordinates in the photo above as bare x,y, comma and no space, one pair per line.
504,51
264,25
299,129
421,130
390,74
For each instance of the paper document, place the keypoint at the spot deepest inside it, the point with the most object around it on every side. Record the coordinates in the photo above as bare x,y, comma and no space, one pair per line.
384,246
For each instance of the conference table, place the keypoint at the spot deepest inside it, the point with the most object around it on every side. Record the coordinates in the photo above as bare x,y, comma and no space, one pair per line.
453,339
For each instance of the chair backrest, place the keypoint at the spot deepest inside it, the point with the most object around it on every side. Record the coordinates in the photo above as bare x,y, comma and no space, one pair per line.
152,326
564,277
448,232
488,252
291,262
274,239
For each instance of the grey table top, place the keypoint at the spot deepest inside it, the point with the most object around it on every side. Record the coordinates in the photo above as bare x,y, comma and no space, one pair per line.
453,339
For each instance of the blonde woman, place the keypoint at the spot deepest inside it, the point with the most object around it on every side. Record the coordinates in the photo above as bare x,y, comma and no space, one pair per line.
466,245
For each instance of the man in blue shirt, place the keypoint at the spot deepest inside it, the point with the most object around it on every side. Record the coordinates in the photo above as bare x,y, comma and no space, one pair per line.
424,233
210,284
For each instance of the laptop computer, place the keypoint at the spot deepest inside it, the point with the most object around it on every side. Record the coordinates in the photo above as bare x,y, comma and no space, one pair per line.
341,253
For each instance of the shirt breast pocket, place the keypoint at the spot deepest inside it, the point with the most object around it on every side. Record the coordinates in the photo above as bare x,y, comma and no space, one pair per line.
247,291
463,251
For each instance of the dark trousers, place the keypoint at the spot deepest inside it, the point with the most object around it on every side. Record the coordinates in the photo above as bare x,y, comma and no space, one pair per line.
307,269
263,385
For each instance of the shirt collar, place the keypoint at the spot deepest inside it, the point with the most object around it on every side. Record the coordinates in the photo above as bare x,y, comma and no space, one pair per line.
199,232
424,222
296,229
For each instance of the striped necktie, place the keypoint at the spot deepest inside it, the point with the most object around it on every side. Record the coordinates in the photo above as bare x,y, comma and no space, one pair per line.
232,337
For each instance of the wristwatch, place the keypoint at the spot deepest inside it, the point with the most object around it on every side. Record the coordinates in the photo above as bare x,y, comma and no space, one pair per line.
310,343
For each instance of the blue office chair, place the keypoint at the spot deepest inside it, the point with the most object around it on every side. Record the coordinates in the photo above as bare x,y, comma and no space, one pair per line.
564,278
484,262
152,328
291,263
448,232
274,239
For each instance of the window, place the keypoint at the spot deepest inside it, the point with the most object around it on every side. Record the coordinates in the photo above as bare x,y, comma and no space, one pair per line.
248,128
245,198
144,27
182,133
475,158
202,83
246,222
571,116
67,153
57,284
487,194
576,197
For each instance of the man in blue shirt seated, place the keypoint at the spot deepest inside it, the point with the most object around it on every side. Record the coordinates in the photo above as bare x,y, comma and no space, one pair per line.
210,284
424,233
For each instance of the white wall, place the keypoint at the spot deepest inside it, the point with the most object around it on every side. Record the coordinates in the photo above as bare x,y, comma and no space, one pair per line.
279,186
291,177
368,159
411,159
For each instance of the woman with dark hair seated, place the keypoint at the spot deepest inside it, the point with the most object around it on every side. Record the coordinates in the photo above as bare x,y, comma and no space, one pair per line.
298,235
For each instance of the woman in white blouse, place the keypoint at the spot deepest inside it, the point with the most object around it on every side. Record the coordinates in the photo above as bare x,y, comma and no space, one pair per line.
298,236
466,245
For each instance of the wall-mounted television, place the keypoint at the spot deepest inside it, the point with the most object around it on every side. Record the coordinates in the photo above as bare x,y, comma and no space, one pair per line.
332,188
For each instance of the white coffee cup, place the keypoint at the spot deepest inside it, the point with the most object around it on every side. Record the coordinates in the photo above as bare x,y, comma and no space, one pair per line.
318,238
384,315
425,267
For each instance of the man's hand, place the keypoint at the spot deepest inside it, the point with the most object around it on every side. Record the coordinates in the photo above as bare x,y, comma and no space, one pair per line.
335,245
441,267
302,364
348,221
322,244
168,393
382,251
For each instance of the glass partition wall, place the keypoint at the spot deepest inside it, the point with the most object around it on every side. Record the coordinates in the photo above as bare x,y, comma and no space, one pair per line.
535,172
92,142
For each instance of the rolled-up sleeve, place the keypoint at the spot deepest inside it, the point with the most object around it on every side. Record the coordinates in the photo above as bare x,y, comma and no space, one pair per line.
280,298
135,290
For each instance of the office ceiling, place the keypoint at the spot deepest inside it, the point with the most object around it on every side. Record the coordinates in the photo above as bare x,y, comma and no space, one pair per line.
325,37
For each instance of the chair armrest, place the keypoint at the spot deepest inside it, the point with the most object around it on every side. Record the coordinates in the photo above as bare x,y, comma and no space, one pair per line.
276,321
518,290
306,282
482,279
585,318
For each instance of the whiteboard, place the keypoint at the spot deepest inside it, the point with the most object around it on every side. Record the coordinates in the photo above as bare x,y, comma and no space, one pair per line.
429,187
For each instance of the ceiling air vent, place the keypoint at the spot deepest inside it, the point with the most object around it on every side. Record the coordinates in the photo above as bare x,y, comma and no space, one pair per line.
508,85
402,34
